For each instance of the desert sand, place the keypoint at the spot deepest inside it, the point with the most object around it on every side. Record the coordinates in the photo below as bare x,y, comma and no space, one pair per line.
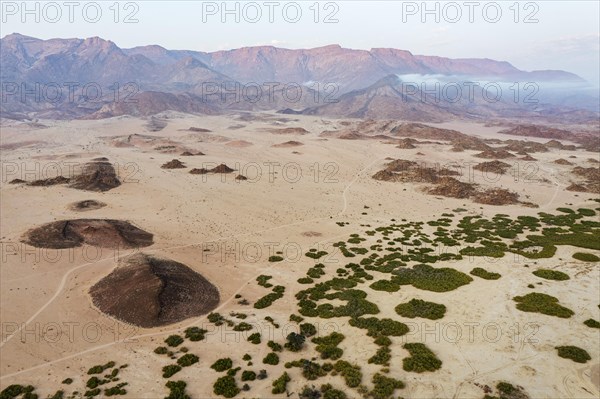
225,229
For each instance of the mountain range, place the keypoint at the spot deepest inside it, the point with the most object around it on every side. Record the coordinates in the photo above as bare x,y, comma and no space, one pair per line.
97,79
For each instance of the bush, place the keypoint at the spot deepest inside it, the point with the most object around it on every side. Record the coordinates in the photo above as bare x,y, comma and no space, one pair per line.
174,340
275,258
294,342
177,390
351,373
592,323
484,274
243,326
267,300
195,333
551,274
280,384
585,257
161,350
67,381
216,318
222,364
307,329
542,303
187,360
421,359
271,359
377,327
262,281
419,308
384,387
100,368
574,353
385,285
254,338
248,375
116,390
275,347
171,369
226,387
262,374
382,356
425,277
296,318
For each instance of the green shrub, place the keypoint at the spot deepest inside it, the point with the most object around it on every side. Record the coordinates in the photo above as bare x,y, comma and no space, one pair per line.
174,340
332,393
327,346
243,326
262,281
248,375
305,280
226,386
482,273
280,384
216,318
574,353
116,390
382,356
275,258
421,359
296,318
271,359
161,350
385,285
542,303
177,390
195,333
187,360
275,347
254,338
351,373
267,300
294,341
384,387
171,369
551,274
307,329
377,327
585,257
222,364
314,254
419,308
67,381
592,323
428,278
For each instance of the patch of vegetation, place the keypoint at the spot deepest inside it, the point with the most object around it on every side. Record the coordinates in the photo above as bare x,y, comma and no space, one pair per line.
296,318
351,373
248,375
272,359
574,353
177,390
195,333
305,280
226,386
216,318
275,258
314,254
254,338
295,341
382,356
116,390
542,303
327,345
329,392
243,326
161,350
174,340
484,274
585,257
169,370
222,364
268,299
308,329
428,278
100,368
592,323
420,308
378,327
385,285
421,359
187,360
263,281
280,384
551,274
384,387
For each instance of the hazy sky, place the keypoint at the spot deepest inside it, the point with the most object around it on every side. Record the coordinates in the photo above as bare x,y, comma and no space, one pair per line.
557,34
